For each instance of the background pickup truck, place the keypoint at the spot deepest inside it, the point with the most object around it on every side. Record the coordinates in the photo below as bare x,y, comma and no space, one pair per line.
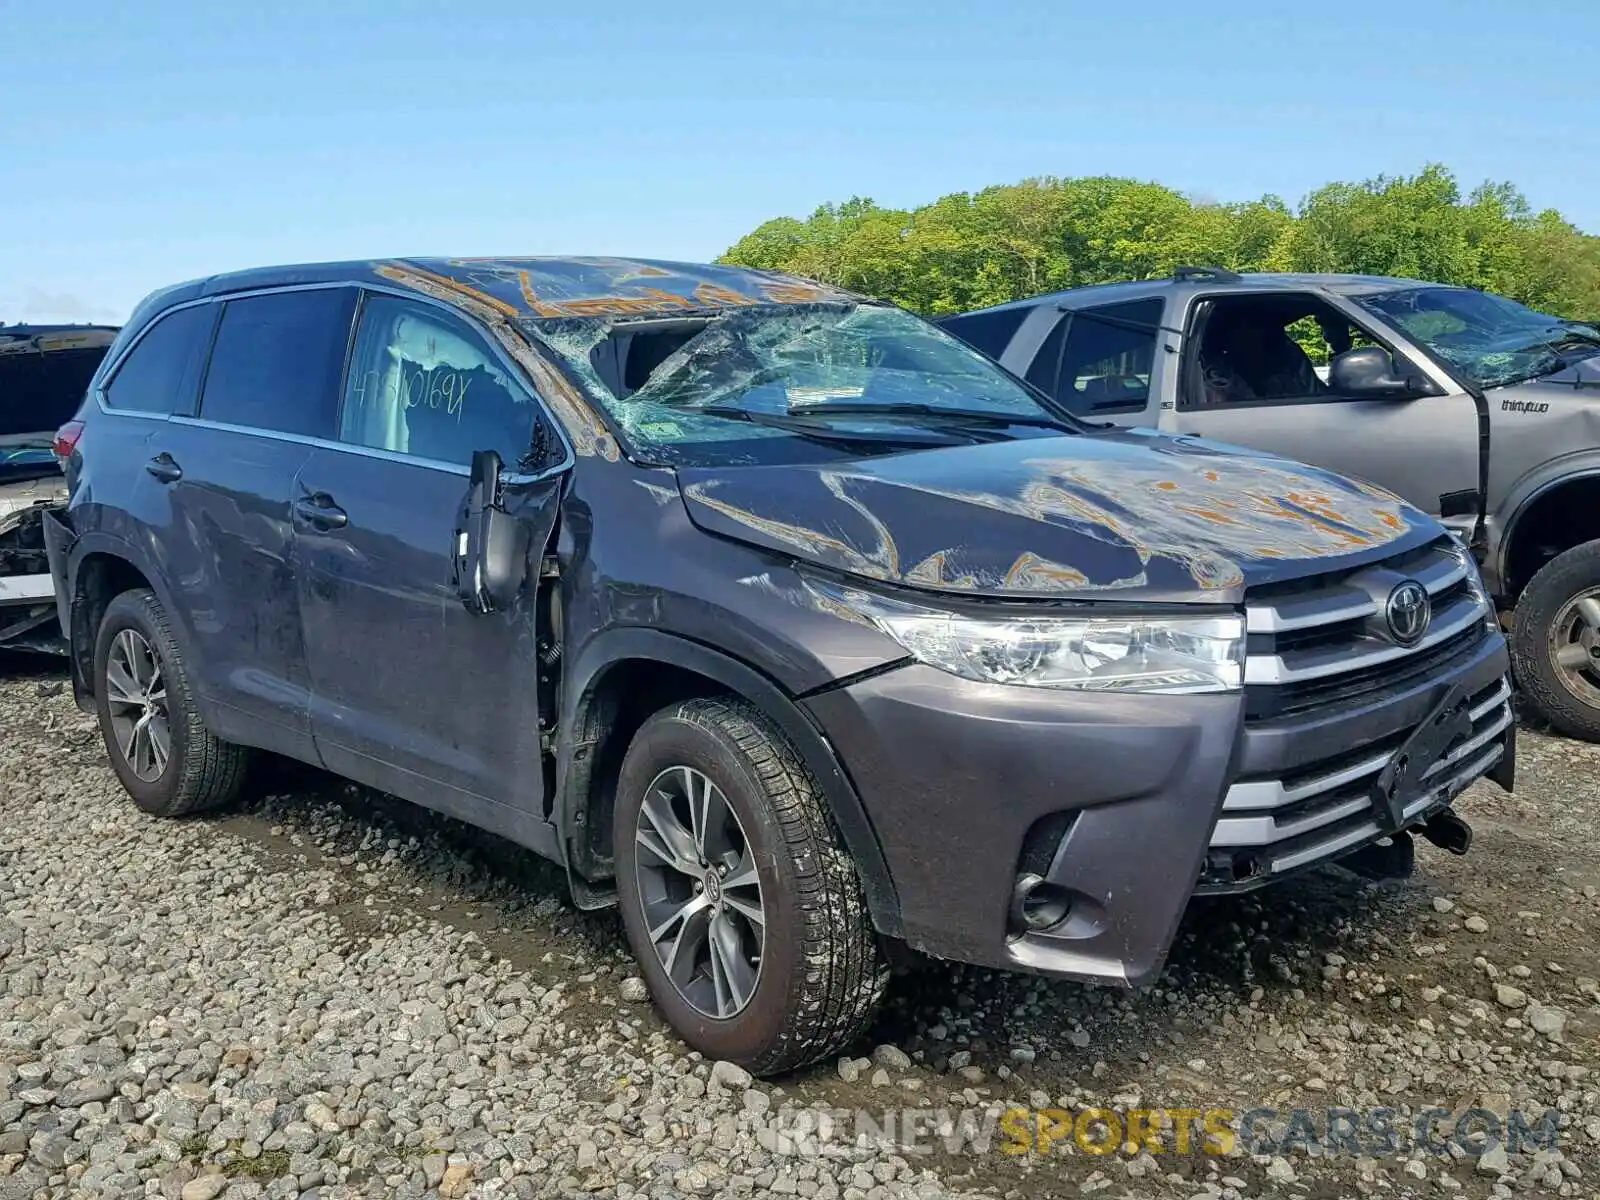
1469,405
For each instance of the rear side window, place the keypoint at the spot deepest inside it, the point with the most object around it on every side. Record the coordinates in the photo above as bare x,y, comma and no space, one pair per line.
162,371
423,383
988,332
1108,356
278,360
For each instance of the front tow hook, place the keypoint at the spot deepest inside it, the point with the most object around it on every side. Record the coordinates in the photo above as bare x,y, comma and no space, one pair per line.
1448,832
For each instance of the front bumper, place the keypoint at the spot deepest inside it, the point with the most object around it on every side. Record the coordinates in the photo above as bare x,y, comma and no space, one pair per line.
18,590
1130,803
28,613
27,590
59,540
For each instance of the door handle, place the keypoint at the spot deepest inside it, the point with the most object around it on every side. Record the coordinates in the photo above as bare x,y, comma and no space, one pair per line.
320,512
165,468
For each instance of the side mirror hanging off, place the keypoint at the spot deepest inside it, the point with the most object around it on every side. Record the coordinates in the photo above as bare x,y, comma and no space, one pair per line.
485,548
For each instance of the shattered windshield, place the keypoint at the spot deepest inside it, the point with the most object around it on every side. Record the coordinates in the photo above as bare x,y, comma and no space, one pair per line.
765,374
1490,339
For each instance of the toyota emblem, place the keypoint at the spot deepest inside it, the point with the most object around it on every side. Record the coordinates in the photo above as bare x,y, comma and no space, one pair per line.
1408,612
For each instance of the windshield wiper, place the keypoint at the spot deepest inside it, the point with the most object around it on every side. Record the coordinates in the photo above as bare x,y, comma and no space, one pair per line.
802,427
970,416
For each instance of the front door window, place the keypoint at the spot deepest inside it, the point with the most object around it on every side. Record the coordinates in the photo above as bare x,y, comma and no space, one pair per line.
1268,349
424,384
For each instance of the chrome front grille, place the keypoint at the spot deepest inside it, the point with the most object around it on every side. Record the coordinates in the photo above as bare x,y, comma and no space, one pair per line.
1281,824
1320,655
1326,640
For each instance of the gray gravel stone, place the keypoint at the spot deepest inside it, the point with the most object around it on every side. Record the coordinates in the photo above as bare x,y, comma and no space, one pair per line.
1509,997
1494,1161
348,998
891,1058
731,1075
1547,1020
204,1187
85,1091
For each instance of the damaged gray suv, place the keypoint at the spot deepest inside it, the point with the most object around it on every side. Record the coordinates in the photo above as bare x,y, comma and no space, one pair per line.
783,619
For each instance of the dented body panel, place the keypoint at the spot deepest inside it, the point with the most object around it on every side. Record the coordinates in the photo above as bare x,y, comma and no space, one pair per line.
1125,516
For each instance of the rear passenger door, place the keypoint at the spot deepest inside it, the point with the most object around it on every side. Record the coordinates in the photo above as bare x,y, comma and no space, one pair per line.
412,693
271,385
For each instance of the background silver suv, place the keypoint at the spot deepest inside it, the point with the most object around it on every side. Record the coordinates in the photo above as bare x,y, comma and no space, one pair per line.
1469,405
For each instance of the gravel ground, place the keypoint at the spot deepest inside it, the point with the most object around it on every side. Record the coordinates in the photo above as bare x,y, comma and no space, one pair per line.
329,993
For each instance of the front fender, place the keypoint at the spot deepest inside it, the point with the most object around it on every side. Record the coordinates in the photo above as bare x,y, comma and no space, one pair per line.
631,643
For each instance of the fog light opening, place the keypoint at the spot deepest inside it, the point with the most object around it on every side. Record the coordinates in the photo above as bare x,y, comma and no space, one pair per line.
1037,904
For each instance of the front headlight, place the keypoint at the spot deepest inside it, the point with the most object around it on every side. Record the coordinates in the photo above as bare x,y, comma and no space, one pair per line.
1110,654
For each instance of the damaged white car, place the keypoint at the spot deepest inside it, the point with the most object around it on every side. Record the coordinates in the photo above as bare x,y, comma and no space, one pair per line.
44,372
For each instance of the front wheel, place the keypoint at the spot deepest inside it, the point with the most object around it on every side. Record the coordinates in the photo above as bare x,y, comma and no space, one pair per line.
744,911
1555,641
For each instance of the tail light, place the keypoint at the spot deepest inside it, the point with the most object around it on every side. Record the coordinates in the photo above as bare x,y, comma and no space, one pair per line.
67,441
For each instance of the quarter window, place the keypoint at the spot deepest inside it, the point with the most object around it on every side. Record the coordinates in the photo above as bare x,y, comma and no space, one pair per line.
277,360
161,372
423,383
991,331
1107,358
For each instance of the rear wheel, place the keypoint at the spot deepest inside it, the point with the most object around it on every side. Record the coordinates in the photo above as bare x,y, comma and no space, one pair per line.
159,748
744,911
1555,641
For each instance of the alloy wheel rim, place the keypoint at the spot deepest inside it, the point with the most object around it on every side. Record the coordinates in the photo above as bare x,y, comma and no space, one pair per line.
1575,646
700,892
136,695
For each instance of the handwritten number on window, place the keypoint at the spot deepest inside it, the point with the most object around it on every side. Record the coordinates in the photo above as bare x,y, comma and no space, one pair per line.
437,388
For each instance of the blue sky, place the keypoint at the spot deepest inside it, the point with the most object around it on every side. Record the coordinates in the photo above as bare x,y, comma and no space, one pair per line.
150,142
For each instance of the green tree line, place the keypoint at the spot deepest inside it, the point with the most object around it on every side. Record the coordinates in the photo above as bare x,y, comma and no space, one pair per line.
971,249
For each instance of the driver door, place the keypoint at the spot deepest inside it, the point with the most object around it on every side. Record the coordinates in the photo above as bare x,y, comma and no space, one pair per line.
1424,448
410,691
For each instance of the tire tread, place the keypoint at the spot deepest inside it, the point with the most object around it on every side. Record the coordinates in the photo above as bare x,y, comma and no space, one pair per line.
843,973
210,770
1555,583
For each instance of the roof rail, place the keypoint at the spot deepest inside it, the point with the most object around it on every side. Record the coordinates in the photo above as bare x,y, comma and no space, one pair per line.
1209,274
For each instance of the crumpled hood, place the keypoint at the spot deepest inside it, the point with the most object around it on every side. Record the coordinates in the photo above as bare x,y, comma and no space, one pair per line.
1131,514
